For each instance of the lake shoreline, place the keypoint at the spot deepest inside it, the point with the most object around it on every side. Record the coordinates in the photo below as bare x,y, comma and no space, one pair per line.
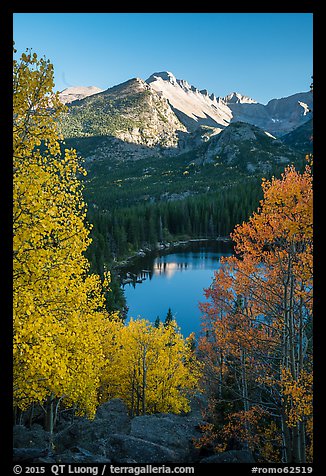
164,246
172,277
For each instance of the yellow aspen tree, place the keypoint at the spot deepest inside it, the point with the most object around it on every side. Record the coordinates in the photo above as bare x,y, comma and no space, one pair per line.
153,369
173,377
59,310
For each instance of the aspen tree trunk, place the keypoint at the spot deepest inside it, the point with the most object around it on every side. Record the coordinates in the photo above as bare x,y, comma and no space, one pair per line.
56,413
286,433
295,345
245,392
133,391
15,414
138,387
220,379
144,382
286,440
302,428
301,337
132,398
138,399
296,445
292,360
31,415
287,436
49,416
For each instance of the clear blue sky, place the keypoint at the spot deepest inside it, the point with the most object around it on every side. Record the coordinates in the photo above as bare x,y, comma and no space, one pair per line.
262,55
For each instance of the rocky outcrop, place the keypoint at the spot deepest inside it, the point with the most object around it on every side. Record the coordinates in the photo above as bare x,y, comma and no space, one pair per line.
249,148
132,112
114,437
232,456
194,108
93,435
301,138
278,116
34,437
129,449
29,455
174,431
237,98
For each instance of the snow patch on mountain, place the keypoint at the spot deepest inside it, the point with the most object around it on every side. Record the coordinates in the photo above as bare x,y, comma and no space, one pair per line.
305,107
269,135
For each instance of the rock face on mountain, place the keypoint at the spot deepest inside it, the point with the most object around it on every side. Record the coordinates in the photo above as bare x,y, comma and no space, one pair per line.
166,116
197,108
193,107
74,93
301,138
247,147
237,98
278,116
131,112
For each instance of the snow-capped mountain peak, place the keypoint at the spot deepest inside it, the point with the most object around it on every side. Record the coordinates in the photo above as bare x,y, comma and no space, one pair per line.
237,98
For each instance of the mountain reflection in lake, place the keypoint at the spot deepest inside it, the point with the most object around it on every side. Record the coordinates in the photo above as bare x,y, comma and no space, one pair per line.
174,279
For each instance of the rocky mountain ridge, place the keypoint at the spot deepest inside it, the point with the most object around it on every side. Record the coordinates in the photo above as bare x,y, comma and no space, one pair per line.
236,98
301,138
164,116
168,113
131,112
278,116
195,108
248,147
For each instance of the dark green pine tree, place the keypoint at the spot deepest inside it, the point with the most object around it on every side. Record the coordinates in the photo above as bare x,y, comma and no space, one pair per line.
169,318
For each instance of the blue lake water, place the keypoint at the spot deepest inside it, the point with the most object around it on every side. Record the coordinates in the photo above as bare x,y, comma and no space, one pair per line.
174,279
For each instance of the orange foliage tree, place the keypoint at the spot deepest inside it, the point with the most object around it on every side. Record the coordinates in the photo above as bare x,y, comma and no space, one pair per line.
257,336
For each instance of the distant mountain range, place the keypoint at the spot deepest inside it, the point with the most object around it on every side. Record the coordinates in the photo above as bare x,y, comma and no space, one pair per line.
165,116
195,108
168,161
